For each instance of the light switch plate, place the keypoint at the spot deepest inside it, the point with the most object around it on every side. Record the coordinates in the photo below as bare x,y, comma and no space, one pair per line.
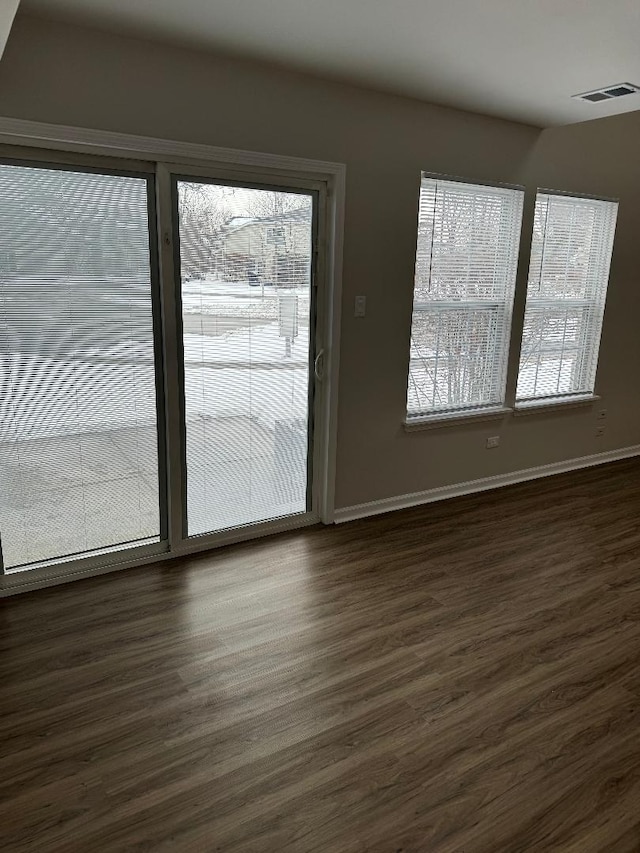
360,306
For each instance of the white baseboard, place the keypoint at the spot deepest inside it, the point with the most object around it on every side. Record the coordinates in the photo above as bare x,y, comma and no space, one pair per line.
350,513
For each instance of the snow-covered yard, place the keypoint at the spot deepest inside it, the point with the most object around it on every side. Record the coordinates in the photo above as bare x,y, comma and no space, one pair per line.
78,447
553,376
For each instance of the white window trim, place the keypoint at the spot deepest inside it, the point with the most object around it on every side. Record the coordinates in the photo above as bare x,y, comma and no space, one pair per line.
458,417
476,182
566,401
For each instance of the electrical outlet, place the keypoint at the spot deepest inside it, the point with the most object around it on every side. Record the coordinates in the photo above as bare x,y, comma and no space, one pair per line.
493,441
602,414
599,431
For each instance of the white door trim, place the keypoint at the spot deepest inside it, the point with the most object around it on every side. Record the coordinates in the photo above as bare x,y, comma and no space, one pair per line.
37,134
100,143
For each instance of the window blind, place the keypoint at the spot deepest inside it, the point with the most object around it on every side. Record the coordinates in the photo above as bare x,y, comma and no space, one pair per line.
466,259
78,426
247,321
567,286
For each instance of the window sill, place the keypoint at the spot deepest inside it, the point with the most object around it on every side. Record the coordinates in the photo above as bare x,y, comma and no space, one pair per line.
421,422
538,407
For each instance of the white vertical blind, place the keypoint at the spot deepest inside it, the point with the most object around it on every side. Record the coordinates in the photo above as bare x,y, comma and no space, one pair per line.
78,429
567,287
467,252
247,317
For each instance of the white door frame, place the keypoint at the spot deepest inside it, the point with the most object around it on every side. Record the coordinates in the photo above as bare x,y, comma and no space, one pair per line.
168,157
170,279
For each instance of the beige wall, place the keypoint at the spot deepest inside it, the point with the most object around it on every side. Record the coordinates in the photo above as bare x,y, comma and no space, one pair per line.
72,76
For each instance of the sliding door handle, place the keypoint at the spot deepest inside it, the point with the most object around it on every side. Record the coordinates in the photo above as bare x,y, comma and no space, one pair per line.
318,365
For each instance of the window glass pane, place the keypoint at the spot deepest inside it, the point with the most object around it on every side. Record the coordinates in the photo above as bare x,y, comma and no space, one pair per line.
247,321
461,240
568,275
466,262
451,357
552,351
78,429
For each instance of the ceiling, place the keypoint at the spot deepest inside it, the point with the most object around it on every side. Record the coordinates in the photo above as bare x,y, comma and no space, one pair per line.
517,59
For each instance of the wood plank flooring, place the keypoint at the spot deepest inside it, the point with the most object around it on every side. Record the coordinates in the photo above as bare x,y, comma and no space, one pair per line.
459,678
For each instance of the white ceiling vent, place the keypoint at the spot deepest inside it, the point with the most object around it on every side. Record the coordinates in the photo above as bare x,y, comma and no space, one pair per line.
608,92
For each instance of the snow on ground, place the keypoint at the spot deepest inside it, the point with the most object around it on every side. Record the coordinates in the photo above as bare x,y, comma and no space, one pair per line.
78,453
552,376
246,370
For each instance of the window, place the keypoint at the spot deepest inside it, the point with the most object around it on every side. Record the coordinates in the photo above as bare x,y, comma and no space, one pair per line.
568,275
466,260
276,236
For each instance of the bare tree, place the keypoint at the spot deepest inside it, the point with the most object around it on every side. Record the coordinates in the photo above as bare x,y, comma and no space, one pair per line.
453,343
204,210
266,203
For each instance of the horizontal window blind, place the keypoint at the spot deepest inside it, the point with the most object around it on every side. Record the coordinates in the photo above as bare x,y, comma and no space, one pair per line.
247,318
466,259
78,424
567,286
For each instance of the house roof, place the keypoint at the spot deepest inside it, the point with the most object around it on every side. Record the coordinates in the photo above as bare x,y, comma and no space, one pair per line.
289,217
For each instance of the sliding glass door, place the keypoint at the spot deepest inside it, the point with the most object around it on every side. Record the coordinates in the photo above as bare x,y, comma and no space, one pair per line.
97,464
247,315
79,426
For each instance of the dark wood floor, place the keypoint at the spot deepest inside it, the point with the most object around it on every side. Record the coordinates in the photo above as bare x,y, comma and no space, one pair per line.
460,677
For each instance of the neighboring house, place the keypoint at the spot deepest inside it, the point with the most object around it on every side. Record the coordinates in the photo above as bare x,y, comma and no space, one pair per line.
269,250
74,245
